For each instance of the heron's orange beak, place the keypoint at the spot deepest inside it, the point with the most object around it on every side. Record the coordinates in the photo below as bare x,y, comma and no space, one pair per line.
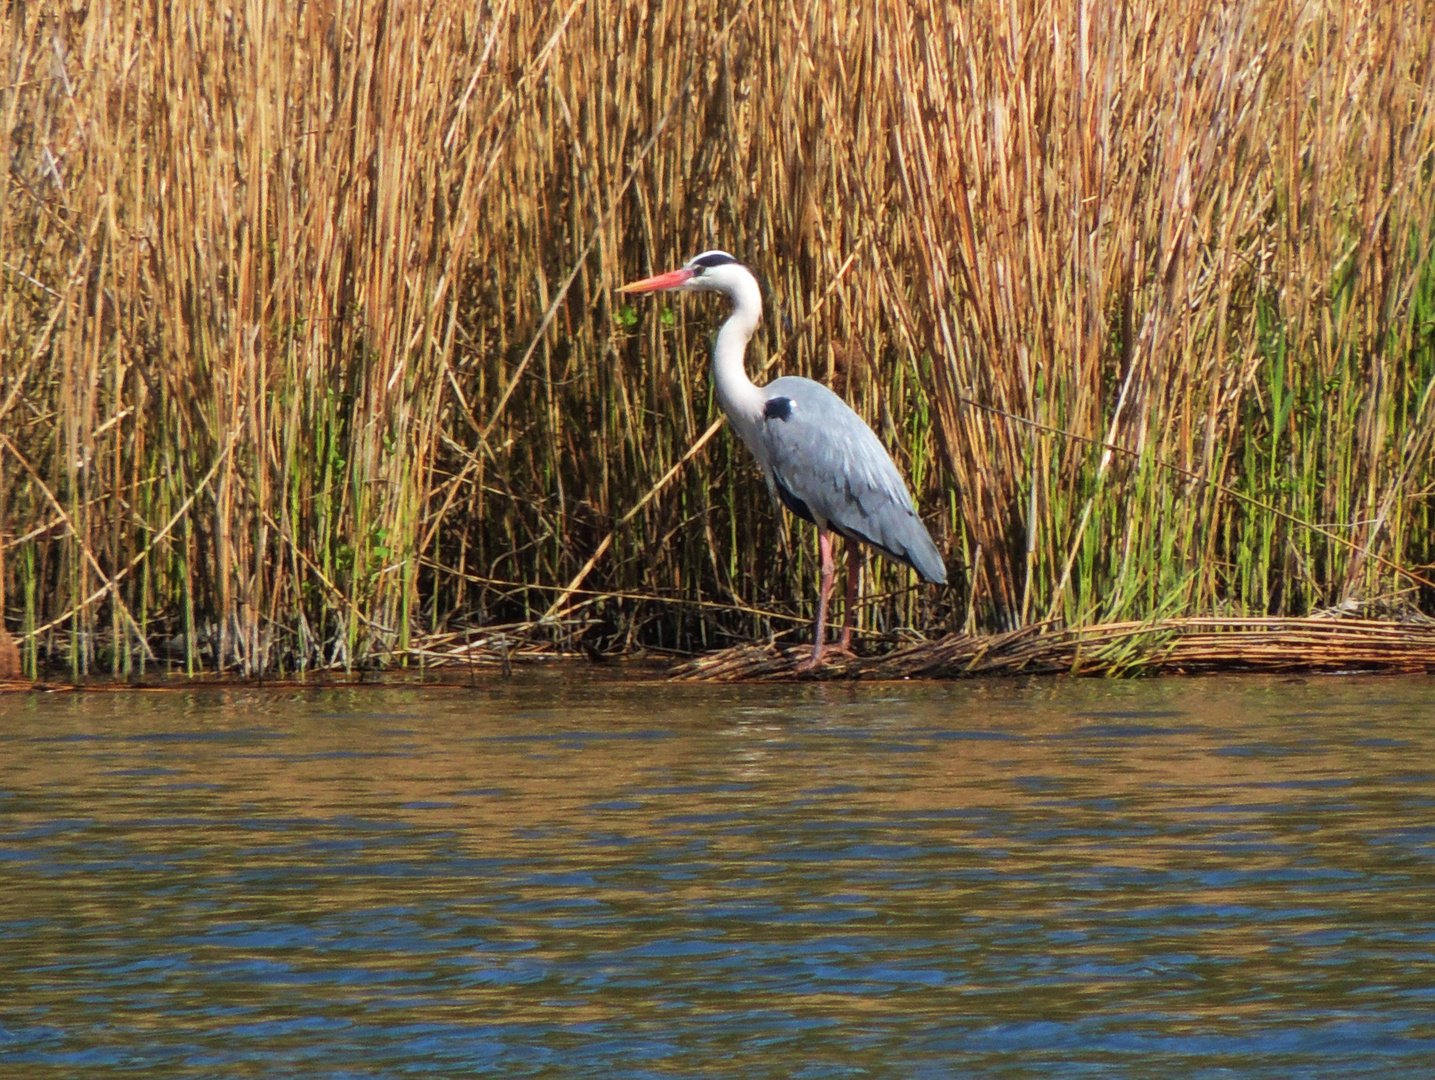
671,280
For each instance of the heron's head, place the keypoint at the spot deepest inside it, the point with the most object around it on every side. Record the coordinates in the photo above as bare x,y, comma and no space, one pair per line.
712,271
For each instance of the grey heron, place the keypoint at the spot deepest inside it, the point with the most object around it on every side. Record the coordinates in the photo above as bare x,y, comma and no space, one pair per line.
818,456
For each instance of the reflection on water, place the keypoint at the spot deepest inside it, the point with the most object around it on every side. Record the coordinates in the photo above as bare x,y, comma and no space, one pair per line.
546,878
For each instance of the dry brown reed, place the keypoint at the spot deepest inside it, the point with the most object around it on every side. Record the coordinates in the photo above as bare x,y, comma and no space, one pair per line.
309,354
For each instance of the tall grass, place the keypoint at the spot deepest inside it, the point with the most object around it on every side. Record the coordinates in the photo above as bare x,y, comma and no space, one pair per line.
1202,235
308,347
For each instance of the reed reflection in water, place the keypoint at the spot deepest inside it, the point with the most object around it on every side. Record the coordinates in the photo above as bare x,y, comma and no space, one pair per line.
559,877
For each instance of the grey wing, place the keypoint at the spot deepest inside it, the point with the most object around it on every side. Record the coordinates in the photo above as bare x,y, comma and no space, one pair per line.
828,466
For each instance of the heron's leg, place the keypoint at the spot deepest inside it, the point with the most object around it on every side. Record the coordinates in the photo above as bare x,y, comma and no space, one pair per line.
849,614
824,546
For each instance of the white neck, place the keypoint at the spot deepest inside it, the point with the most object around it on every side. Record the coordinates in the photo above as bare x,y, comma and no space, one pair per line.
736,394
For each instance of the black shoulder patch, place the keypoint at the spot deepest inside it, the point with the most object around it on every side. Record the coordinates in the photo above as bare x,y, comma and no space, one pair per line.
709,259
777,408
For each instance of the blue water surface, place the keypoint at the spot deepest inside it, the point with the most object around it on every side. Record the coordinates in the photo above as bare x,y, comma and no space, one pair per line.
557,876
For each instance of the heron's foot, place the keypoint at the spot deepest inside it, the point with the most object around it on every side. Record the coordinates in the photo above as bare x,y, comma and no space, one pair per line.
823,656
812,662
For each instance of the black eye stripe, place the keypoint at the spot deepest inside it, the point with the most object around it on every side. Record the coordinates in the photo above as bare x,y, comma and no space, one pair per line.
711,259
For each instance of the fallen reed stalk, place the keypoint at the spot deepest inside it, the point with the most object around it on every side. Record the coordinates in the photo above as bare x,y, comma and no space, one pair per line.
1185,646
307,334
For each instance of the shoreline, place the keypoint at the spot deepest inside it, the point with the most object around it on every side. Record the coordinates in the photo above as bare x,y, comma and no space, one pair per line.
1183,647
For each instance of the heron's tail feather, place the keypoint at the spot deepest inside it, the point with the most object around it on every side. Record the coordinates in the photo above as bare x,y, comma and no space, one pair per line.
904,539
923,556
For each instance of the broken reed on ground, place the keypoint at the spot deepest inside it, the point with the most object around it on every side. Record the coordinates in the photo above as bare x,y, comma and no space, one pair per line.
1315,644
309,354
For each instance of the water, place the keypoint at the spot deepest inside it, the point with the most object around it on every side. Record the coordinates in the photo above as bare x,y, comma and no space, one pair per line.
568,878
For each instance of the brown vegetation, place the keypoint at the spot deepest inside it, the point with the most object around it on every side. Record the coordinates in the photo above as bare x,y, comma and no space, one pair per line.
1186,646
309,355
9,656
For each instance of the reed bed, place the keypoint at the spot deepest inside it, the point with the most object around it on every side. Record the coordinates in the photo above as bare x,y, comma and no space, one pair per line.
309,355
